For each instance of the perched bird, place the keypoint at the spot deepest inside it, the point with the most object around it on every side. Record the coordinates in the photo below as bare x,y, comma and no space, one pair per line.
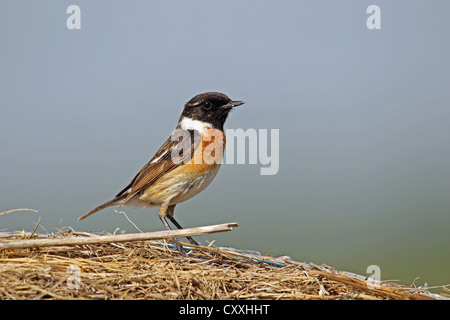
185,164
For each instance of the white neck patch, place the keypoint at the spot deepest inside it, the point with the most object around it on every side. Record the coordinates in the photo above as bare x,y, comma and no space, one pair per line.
189,124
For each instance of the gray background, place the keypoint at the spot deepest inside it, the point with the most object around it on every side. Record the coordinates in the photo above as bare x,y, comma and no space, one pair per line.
363,116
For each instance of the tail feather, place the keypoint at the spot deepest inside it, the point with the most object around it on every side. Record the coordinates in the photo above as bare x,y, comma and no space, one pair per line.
112,202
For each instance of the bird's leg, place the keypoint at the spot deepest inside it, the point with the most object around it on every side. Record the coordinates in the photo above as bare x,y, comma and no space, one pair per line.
170,211
163,210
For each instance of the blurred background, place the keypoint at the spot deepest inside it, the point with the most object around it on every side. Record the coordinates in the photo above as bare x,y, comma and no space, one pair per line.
364,175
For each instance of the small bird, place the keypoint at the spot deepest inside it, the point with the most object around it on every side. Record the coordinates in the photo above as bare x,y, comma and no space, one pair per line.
184,167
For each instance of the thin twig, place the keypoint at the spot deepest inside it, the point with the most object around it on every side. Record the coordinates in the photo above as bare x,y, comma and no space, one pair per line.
14,210
158,235
124,213
35,228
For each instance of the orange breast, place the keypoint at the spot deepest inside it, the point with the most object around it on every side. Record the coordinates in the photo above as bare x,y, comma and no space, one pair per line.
209,154
187,180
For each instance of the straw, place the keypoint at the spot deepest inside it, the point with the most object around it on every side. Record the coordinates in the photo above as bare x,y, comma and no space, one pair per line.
156,270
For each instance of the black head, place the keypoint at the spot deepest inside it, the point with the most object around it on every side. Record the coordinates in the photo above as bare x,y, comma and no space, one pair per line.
210,107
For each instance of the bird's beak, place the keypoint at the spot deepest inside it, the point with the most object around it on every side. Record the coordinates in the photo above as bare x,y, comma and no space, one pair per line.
233,104
236,103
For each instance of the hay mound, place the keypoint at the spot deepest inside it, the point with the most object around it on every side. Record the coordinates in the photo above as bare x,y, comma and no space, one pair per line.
155,270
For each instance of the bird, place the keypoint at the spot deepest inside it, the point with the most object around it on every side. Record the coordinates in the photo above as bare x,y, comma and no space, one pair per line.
185,164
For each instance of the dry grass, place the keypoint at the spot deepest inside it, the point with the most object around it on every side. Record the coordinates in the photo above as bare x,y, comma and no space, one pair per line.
155,270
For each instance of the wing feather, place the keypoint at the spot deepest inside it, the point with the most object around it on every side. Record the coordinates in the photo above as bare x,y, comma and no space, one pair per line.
153,170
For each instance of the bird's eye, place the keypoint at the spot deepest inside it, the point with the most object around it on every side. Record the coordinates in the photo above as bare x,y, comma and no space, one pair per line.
207,105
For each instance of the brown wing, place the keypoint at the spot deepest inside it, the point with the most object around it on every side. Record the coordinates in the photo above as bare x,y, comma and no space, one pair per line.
183,150
152,171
